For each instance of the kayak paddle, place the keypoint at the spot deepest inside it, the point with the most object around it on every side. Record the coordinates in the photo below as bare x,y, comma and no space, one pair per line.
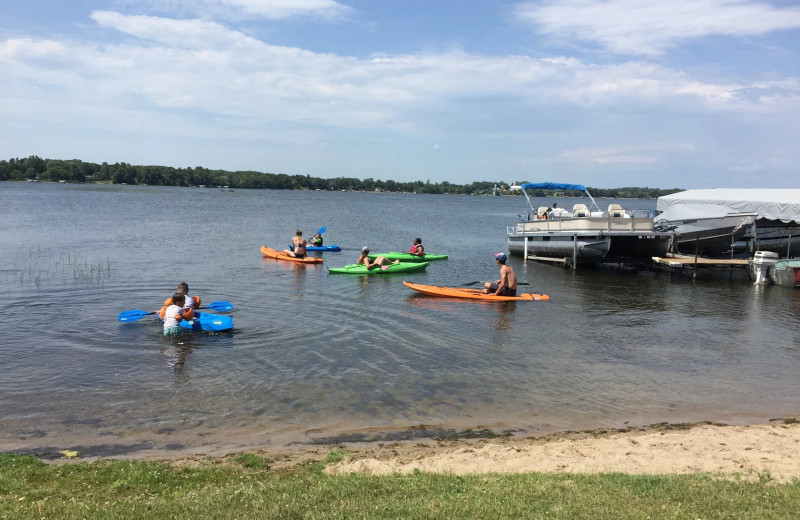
476,283
137,314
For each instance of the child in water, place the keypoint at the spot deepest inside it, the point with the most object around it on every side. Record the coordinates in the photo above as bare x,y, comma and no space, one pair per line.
174,314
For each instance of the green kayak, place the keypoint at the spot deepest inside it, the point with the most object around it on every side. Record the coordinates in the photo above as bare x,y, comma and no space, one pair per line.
402,267
408,257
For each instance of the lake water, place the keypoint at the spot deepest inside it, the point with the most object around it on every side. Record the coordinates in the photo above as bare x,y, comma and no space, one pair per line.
319,358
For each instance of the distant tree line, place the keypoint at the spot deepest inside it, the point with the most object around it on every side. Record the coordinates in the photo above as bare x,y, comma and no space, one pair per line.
75,170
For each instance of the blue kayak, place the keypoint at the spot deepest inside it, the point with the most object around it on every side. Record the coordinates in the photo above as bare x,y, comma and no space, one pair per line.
323,248
209,322
319,248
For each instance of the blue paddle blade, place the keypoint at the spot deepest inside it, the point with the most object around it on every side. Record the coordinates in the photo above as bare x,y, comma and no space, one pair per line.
221,305
322,230
133,315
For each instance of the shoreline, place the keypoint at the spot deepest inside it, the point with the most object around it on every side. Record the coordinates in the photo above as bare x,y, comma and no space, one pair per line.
754,451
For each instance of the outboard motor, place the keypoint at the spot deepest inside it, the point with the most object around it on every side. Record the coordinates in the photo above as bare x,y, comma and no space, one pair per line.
761,263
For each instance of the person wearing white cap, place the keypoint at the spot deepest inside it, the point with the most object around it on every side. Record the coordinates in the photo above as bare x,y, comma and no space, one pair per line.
507,284
364,260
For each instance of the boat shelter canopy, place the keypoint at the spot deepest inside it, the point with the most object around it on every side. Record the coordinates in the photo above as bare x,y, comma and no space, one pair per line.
551,186
783,205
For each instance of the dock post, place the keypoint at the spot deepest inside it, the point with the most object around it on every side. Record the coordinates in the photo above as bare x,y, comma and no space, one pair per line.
525,253
789,246
696,250
574,252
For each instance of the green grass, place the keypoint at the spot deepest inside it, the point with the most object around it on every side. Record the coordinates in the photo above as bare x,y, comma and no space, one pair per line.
245,487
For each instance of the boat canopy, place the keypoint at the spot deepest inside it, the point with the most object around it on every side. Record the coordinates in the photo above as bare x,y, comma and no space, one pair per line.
554,186
783,205
551,186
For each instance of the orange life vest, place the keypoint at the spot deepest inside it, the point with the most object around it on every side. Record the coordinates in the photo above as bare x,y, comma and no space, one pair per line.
188,314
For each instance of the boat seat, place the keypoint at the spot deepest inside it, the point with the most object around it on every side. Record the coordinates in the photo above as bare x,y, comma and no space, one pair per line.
580,210
615,210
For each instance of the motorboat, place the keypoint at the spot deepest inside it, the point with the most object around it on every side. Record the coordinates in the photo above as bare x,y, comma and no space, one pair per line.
709,230
767,267
585,233
786,273
777,227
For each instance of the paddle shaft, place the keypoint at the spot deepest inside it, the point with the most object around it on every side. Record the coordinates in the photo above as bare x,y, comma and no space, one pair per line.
476,283
137,314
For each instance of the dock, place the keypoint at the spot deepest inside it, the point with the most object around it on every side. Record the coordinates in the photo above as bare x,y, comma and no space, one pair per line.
681,262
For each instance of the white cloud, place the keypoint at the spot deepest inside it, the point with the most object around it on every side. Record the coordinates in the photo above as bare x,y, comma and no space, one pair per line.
643,154
752,168
197,34
328,10
648,26
197,77
206,66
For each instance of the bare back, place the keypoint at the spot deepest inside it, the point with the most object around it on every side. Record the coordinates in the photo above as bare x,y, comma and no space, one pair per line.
508,277
299,245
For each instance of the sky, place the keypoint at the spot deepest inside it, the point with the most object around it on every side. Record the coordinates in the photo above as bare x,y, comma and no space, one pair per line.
606,93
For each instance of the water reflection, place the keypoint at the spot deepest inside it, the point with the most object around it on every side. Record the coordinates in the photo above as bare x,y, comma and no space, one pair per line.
503,320
175,351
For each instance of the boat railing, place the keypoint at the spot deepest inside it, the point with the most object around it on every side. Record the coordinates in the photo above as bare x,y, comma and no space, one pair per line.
584,224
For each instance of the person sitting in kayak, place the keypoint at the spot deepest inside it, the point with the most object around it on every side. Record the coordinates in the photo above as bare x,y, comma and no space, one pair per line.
190,302
299,245
316,240
507,284
380,261
417,249
174,314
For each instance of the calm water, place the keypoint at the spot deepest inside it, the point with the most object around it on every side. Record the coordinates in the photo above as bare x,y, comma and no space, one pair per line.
324,358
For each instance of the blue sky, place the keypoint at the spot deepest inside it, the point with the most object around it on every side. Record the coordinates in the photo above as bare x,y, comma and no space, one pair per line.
612,93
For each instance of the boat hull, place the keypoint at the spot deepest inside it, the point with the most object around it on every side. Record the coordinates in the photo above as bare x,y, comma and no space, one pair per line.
713,236
323,248
786,273
560,246
402,267
471,294
268,252
590,247
208,322
774,236
408,257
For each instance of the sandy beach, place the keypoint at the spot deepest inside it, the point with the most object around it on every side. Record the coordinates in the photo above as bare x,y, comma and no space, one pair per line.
751,451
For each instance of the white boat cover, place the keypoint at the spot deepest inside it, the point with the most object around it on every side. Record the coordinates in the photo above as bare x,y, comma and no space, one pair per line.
694,212
783,205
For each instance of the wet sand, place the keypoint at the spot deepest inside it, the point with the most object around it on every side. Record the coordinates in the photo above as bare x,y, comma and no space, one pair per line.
750,452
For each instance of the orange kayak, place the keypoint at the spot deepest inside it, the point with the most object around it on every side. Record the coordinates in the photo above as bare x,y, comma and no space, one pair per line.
278,255
471,294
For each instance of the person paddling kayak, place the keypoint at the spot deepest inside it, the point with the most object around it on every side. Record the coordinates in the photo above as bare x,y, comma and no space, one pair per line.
507,284
417,249
315,241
